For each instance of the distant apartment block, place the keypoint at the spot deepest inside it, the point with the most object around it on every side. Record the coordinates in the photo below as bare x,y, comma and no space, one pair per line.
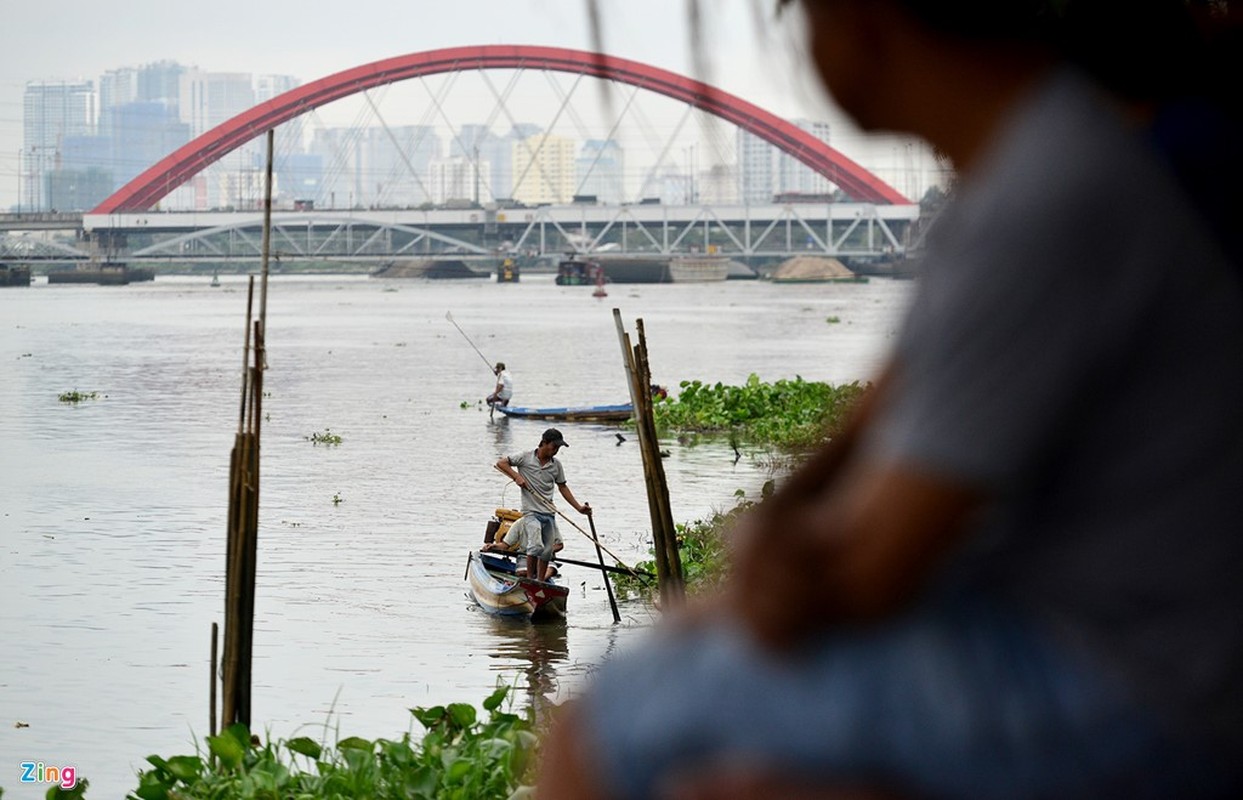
600,169
543,169
764,171
54,114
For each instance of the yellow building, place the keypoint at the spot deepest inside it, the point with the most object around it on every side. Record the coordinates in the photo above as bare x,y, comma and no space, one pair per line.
543,169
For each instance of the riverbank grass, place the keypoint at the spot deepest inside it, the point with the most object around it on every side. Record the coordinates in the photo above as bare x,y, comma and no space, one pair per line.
459,757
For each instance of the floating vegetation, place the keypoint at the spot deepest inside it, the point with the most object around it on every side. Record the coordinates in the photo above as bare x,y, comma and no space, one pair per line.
327,437
337,499
459,756
792,414
833,320
77,397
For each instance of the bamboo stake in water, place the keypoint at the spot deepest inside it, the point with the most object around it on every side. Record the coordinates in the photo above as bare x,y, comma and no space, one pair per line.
608,586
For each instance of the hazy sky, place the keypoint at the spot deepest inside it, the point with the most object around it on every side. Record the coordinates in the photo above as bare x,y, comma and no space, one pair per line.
749,55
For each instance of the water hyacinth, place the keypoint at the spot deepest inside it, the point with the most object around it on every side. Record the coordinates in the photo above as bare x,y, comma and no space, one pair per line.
459,757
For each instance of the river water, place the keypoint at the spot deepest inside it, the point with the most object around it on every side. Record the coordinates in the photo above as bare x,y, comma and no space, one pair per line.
112,510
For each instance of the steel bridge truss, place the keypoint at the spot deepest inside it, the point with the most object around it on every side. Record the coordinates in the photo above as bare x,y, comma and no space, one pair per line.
308,238
854,229
841,229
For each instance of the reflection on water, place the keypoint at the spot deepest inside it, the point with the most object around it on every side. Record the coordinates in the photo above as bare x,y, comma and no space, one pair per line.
539,648
112,511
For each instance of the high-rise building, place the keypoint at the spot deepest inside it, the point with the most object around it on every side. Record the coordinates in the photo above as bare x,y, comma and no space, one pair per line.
600,170
795,177
142,133
764,171
755,169
459,179
478,143
543,169
52,113
375,166
210,98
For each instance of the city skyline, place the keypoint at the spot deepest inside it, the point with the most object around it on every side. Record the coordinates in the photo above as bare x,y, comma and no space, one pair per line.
547,22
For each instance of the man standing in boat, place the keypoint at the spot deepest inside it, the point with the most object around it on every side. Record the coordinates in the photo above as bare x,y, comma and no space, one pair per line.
504,386
537,472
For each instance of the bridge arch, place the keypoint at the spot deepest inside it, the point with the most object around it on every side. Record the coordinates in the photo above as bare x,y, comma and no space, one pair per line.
160,179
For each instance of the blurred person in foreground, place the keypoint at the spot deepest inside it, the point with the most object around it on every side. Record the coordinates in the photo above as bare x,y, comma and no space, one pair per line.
1017,575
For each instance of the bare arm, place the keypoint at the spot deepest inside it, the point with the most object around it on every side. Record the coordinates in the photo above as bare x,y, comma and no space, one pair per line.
582,508
504,466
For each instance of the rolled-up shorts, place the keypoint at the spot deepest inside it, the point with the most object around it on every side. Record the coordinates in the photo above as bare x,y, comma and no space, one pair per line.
539,534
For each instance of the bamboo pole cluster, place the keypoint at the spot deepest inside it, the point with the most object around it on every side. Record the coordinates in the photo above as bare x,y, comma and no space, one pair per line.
669,576
241,551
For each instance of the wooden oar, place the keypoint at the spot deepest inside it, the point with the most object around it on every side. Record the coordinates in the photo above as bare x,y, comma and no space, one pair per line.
557,511
608,587
640,574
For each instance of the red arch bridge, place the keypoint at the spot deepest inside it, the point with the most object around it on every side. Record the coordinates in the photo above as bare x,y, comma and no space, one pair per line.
878,219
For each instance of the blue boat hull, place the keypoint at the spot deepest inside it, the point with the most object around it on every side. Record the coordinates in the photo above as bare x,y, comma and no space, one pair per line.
611,413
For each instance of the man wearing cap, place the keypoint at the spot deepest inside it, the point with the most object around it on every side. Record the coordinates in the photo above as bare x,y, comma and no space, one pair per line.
537,472
504,386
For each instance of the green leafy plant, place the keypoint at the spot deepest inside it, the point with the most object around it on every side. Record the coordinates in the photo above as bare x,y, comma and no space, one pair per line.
327,437
833,320
792,414
77,397
460,757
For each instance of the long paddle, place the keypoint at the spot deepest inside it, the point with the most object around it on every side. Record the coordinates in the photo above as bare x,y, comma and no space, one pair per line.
608,587
605,567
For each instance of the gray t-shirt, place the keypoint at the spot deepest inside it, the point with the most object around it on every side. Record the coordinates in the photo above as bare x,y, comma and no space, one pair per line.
540,478
1075,349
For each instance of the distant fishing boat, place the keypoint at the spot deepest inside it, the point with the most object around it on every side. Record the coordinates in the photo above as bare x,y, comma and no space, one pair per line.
618,412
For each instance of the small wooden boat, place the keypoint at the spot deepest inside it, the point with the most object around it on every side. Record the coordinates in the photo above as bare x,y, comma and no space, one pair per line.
498,590
619,412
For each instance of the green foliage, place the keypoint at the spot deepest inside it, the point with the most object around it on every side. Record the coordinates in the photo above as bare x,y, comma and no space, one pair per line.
792,414
703,548
77,397
833,320
327,437
459,757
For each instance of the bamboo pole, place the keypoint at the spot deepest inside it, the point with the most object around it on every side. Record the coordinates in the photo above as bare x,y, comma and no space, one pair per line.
608,586
243,535
211,686
662,564
664,539
670,537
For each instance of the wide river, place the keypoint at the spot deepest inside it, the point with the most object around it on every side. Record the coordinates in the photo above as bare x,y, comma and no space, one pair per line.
113,509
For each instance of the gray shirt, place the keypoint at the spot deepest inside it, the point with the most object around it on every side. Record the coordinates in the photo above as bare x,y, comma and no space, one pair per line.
540,478
1076,350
